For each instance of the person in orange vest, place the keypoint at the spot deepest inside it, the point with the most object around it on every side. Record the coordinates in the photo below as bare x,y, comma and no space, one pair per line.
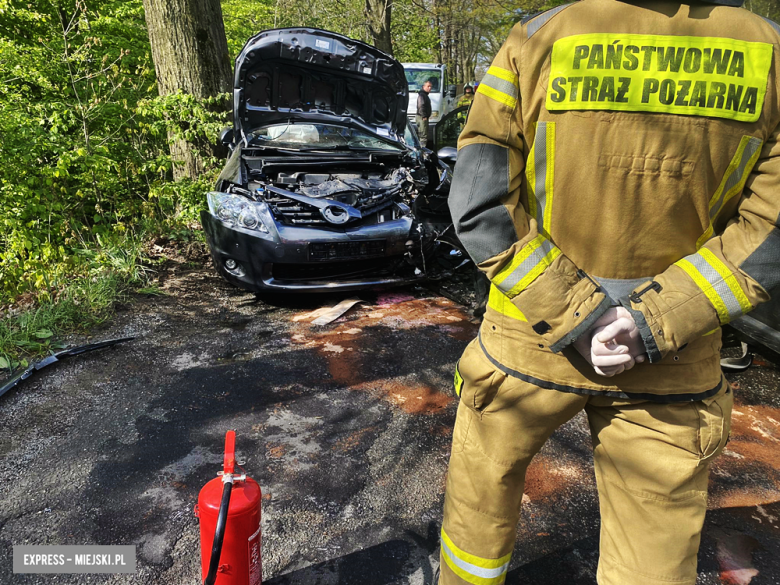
618,181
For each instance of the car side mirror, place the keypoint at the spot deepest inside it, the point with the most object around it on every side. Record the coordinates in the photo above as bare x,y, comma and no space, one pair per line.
226,137
448,154
452,91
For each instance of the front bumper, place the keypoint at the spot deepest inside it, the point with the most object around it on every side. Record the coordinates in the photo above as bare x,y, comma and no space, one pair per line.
290,258
761,329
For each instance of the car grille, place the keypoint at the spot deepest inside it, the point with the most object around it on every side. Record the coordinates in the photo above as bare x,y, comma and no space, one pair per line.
292,212
295,213
325,251
329,271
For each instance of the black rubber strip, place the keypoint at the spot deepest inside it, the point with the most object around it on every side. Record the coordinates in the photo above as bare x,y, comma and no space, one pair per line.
653,353
663,398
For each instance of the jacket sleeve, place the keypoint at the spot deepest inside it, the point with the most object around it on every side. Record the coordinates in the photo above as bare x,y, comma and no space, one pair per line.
559,301
731,273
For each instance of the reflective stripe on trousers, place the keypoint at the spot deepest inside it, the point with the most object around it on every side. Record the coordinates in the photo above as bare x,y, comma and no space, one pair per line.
471,568
652,497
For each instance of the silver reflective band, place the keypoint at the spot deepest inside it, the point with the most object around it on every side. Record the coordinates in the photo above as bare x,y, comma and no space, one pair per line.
773,24
526,266
499,84
473,569
70,559
540,20
718,284
736,177
540,172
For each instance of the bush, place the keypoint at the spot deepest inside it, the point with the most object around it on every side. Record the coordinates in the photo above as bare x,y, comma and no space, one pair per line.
84,160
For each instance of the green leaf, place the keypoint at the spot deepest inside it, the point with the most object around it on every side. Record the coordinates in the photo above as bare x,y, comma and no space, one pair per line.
4,363
43,334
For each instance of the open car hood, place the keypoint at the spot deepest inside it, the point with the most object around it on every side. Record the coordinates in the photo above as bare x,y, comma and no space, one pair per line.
311,75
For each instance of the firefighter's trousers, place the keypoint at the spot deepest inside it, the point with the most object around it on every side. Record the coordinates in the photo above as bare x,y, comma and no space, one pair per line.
651,461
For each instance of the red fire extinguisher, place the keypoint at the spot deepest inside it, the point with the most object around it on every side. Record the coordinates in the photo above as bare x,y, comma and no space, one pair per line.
229,512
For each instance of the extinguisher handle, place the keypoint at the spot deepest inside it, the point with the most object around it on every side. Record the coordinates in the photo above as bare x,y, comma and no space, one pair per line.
219,532
229,463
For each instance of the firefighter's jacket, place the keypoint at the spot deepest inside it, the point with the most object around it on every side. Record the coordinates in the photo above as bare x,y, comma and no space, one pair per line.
622,153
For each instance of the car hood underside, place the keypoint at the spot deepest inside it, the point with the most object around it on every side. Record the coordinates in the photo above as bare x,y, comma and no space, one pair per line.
303,74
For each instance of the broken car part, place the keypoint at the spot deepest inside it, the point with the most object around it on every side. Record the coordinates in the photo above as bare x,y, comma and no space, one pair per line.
27,372
739,364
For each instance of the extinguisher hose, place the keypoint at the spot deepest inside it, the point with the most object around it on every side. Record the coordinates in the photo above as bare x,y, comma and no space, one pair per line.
219,534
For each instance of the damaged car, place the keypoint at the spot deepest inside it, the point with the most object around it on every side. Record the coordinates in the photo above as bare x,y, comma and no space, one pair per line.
326,182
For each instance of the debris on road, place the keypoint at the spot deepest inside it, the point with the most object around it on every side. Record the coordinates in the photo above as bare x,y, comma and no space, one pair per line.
326,315
27,372
335,312
738,364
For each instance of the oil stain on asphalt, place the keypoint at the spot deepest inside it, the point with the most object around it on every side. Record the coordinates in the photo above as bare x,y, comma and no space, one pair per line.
347,429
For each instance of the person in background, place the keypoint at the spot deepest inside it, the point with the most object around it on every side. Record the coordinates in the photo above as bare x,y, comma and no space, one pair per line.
423,112
467,97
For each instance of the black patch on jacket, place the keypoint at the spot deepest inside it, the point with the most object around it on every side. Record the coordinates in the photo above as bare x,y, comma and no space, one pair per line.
542,327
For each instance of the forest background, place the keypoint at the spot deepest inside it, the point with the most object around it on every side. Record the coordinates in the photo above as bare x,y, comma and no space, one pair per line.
95,140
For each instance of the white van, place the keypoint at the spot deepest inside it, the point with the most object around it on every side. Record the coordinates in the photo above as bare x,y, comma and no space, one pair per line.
442,96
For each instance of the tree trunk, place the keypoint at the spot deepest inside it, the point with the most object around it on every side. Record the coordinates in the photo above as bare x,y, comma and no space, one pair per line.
190,55
378,14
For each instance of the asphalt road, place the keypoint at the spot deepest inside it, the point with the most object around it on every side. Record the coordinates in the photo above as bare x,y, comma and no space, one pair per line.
346,427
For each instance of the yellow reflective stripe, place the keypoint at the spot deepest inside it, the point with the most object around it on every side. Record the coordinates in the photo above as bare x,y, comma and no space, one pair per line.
499,96
501,303
458,381
501,85
504,74
468,577
534,273
530,176
532,259
474,559
540,176
729,278
729,170
733,181
548,183
704,238
704,285
718,283
518,259
471,568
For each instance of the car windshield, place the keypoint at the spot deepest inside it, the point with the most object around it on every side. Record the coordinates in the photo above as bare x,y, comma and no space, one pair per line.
319,137
416,77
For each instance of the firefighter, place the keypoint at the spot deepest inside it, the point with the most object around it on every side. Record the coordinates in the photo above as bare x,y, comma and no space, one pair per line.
618,180
467,97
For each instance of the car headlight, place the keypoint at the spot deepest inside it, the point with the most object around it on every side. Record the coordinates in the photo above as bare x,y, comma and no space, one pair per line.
435,114
236,211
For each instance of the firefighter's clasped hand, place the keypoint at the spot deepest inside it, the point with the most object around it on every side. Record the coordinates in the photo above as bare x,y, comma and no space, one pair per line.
613,345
